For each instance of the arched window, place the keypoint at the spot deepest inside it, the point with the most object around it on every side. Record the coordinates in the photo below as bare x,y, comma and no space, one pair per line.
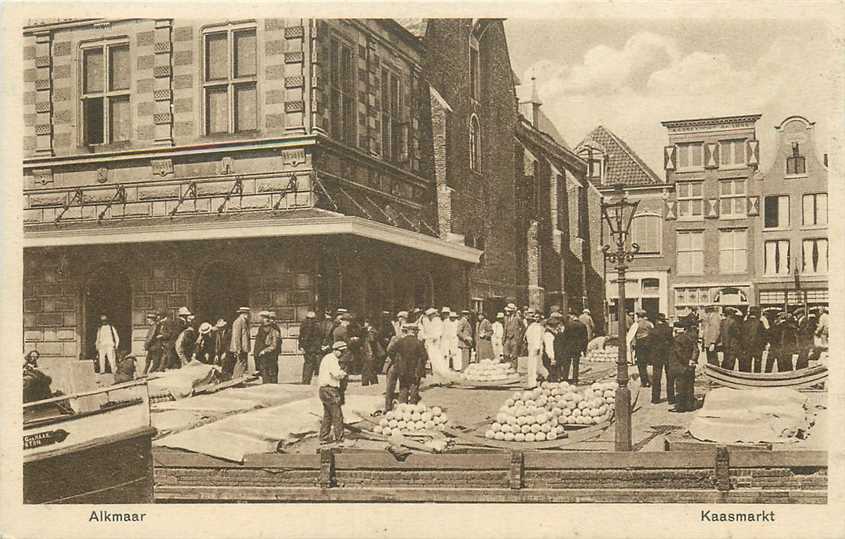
646,231
474,143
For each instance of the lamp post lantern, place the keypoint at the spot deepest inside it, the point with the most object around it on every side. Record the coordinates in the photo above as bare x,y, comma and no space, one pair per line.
618,213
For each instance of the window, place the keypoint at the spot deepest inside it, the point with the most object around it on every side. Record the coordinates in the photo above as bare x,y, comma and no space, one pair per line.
391,123
595,168
733,253
690,156
106,112
815,256
690,200
474,144
231,96
777,257
732,153
690,253
692,296
732,202
650,287
645,231
795,163
776,211
815,209
342,115
475,72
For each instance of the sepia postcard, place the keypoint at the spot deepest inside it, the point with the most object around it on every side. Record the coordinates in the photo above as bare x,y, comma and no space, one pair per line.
422,270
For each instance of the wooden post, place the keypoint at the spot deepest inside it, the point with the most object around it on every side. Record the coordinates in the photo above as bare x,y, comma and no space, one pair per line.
327,479
722,470
517,469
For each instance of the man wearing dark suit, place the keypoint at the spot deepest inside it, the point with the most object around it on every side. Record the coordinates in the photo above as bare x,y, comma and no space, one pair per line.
222,339
239,345
311,343
267,347
660,343
682,366
152,345
407,365
753,343
729,335
574,344
169,330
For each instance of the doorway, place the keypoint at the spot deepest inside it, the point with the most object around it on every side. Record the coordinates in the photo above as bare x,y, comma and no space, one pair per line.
218,292
107,292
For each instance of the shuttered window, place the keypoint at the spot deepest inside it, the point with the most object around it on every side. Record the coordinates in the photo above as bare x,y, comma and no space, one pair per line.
732,152
690,156
690,200
732,202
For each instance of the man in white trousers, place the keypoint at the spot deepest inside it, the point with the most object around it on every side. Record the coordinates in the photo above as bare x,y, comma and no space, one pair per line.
534,340
107,342
498,337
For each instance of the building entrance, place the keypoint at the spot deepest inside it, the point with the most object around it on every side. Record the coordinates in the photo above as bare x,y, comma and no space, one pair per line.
107,292
218,292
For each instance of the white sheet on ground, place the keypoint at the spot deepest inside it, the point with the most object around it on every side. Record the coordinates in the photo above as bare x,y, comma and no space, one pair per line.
214,403
181,382
171,421
751,415
260,431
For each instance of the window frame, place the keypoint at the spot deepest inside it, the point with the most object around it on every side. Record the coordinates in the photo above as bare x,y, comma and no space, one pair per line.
231,82
780,225
690,198
796,157
733,196
106,94
733,250
346,91
659,238
474,63
736,145
778,243
391,152
687,147
678,251
475,143
814,271
815,223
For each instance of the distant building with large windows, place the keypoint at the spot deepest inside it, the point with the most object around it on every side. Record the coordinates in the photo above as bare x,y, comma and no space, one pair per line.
713,213
794,237
612,162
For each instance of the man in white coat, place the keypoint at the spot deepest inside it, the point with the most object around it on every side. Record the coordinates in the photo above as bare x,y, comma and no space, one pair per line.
534,340
431,334
497,340
450,342
107,342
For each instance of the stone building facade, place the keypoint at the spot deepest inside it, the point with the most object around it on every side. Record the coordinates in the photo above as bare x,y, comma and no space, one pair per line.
713,212
276,163
794,231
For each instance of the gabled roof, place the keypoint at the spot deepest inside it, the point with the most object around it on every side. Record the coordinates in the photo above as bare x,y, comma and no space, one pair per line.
622,165
417,27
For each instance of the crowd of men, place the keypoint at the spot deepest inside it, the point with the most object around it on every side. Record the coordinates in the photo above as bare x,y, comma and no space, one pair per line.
788,340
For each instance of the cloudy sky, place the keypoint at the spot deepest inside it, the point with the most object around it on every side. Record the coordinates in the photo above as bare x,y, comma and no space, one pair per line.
631,74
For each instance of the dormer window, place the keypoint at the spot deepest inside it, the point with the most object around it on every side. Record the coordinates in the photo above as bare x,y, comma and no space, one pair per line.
795,163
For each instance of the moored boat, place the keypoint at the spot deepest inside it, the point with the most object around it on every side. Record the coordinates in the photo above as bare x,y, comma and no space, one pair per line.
91,447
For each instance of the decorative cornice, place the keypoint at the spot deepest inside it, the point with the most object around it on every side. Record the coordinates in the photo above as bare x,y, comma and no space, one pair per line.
747,120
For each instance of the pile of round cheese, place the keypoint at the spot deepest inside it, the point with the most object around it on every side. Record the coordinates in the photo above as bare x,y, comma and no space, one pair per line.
412,418
609,354
588,407
488,370
525,418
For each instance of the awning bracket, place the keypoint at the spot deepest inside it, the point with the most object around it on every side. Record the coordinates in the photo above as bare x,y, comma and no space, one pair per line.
190,192
361,208
237,189
291,188
119,196
78,196
329,199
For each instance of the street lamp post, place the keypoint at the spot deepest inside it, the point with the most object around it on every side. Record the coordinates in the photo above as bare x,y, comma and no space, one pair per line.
618,213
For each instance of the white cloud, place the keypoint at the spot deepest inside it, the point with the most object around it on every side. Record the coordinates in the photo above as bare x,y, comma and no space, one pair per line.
633,88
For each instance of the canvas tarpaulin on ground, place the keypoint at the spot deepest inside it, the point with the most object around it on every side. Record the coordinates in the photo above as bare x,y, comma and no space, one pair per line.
181,382
751,416
261,431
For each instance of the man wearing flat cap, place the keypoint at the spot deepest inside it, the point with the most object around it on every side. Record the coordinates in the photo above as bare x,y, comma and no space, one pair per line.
682,366
240,344
407,366
311,344
661,341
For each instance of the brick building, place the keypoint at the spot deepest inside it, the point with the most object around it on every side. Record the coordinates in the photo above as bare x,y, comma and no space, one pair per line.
713,212
554,217
647,280
474,118
277,163
794,235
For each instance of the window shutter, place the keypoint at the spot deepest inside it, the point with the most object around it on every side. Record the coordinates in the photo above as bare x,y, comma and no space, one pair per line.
712,208
753,206
752,152
670,157
671,212
711,155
